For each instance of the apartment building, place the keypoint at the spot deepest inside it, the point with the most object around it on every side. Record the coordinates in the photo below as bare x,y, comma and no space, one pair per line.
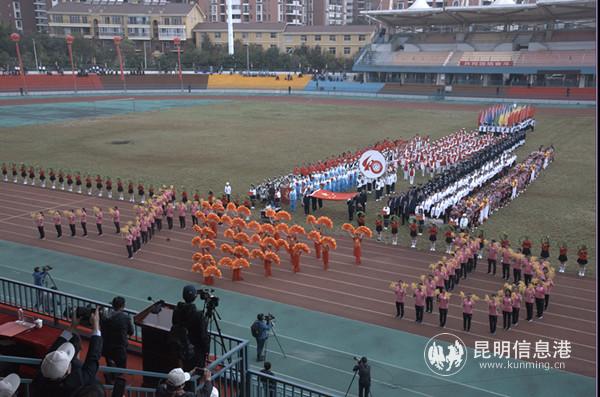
137,22
339,40
26,16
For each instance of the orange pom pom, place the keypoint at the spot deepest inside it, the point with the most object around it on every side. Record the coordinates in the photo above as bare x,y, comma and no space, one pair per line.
229,233
253,225
241,251
218,207
311,220
226,248
208,232
329,242
197,267
325,222
196,241
197,229
267,228
212,217
244,211
242,237
226,219
255,239
283,216
282,228
200,215
270,213
239,263
364,231
348,228
314,235
197,257
282,243
273,257
226,261
231,207
205,205
301,247
256,254
212,271
297,229
269,241
207,243
239,222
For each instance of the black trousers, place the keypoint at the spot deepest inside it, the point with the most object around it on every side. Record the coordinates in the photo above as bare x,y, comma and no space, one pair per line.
72,227
158,224
182,222
529,308
118,227
475,257
546,301
539,305
429,304
419,313
492,266
42,233
517,275
364,389
144,237
115,358
194,220
527,278
170,222
469,265
138,241
515,315
129,251
463,270
313,203
505,271
400,309
467,321
99,227
84,228
443,317
506,320
493,322
58,230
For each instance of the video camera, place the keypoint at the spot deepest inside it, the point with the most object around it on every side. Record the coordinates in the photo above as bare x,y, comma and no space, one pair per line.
46,268
211,301
268,317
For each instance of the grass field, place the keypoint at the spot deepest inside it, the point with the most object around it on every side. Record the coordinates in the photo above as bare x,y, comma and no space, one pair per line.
244,142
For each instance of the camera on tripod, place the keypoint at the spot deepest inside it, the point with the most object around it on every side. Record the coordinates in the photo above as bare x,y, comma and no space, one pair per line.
46,268
269,317
211,301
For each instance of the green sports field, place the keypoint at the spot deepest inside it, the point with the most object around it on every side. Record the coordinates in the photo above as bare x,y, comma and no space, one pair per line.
204,144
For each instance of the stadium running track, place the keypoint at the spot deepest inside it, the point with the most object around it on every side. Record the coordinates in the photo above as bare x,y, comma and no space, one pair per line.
356,292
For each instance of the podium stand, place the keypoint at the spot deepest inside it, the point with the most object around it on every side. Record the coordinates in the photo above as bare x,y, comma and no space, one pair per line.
155,331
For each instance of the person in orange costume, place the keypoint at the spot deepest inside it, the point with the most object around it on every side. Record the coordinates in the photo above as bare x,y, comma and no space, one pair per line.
327,243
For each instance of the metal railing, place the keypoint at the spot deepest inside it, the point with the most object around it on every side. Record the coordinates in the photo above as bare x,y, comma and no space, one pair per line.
230,370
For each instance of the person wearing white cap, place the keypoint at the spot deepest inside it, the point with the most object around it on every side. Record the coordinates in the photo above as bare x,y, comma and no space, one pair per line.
227,191
175,384
9,385
61,372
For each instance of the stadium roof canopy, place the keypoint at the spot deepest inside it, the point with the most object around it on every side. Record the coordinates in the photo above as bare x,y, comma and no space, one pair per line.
496,13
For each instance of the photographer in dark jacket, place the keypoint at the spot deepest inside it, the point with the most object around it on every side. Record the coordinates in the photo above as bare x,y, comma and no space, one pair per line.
364,377
62,373
116,329
187,316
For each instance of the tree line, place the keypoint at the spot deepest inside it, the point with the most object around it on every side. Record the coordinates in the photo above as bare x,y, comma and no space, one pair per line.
52,53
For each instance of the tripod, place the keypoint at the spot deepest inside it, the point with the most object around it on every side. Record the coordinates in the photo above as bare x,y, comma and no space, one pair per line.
53,286
212,315
276,339
351,382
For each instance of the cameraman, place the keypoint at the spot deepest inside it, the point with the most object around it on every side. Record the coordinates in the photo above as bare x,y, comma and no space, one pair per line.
39,280
364,377
116,328
187,316
260,331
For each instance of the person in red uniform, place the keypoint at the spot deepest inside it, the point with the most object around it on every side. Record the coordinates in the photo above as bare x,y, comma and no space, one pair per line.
15,173
88,184
356,242
582,260
77,182
394,224
526,245
433,231
151,191
545,249
61,179
4,172
99,185
379,226
120,189
24,174
562,257
413,231
504,241
130,192
52,178
449,237
108,186
69,182
31,175
141,193
42,177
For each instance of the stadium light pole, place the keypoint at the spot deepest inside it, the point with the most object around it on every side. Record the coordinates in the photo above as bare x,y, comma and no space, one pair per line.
70,40
15,37
177,42
117,40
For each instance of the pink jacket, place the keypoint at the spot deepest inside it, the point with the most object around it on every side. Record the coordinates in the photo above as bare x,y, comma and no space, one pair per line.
492,308
507,304
529,295
99,217
467,306
39,221
419,298
493,252
516,301
400,294
116,216
540,292
57,219
444,299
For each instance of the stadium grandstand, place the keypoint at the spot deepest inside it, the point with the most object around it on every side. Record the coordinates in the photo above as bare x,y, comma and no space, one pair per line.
549,46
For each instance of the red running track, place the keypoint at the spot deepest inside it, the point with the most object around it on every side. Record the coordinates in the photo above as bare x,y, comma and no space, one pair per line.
356,292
